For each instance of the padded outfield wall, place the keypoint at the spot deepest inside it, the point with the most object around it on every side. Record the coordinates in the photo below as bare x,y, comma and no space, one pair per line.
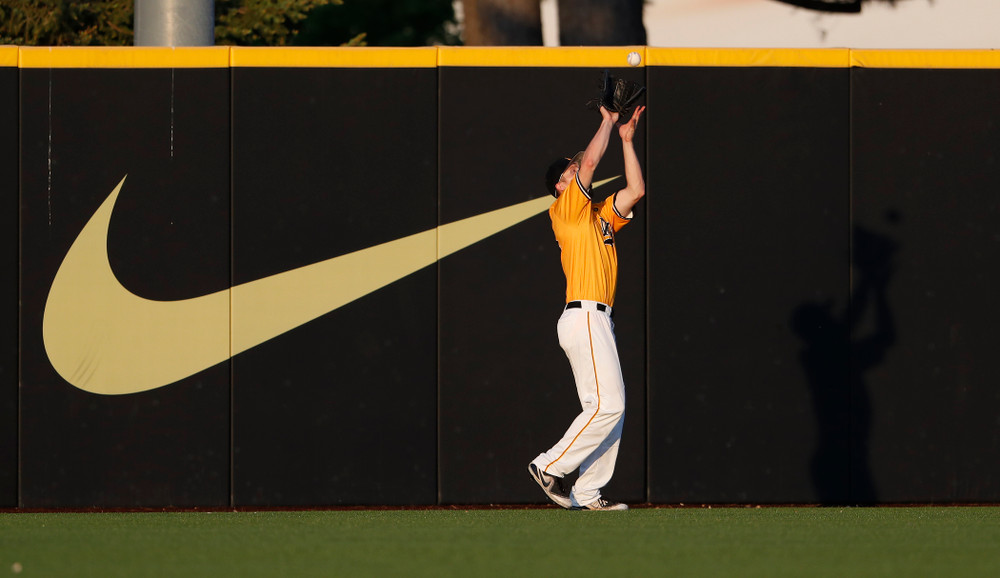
295,277
8,276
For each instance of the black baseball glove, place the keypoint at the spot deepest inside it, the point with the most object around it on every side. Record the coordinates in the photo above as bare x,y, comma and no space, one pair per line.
617,95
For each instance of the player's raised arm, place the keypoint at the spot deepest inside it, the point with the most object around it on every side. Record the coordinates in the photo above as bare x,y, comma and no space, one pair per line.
635,186
595,150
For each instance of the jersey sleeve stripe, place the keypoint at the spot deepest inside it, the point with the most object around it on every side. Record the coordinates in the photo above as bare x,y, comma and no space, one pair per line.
614,206
586,192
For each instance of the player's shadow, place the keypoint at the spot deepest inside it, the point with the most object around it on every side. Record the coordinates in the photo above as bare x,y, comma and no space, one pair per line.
840,347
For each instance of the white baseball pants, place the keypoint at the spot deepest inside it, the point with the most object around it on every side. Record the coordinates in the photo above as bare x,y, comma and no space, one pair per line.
587,335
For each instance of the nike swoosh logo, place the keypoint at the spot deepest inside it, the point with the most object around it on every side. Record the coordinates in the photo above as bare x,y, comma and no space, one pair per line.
104,339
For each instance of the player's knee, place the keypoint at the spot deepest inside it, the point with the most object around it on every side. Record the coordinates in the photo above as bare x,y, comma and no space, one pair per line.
611,411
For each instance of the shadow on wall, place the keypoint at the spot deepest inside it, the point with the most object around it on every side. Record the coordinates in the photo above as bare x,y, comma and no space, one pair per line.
840,348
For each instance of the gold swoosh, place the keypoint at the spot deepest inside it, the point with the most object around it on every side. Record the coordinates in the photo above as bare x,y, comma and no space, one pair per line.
102,338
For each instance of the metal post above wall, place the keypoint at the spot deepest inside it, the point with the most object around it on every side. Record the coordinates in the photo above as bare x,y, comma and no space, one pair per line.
174,22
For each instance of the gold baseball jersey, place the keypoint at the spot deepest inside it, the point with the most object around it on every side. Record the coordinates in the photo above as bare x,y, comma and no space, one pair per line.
585,232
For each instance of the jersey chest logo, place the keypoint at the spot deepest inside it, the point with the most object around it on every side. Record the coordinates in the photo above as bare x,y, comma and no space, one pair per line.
607,232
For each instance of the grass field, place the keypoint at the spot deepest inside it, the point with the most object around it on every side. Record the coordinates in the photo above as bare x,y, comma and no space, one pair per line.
947,541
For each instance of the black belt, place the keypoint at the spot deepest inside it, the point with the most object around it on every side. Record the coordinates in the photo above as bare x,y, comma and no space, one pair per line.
600,307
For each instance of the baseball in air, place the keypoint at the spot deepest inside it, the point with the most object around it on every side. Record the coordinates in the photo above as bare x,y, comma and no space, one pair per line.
634,59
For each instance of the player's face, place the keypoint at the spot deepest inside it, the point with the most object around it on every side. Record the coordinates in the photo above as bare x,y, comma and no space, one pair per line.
567,177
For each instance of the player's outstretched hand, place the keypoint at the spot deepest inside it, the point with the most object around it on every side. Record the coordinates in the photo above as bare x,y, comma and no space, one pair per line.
627,130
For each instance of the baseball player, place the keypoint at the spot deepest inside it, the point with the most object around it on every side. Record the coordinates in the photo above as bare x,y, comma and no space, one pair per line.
586,231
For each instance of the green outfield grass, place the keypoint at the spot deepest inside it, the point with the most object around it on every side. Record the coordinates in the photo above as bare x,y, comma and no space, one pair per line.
947,541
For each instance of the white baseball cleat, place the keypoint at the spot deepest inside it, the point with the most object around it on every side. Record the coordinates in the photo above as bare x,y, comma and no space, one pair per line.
601,504
551,485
